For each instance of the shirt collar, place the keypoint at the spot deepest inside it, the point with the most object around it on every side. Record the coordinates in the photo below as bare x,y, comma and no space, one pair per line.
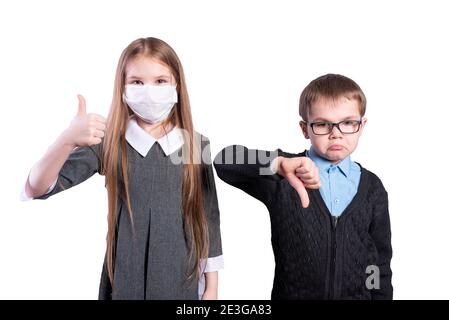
324,164
142,141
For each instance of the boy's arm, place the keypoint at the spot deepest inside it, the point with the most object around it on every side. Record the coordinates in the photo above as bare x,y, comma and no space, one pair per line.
256,171
248,170
381,233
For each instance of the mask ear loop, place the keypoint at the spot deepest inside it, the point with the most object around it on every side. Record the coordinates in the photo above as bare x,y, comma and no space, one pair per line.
176,87
124,99
172,77
130,111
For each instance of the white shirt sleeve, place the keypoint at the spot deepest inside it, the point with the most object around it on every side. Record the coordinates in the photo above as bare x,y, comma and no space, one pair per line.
212,264
273,165
25,197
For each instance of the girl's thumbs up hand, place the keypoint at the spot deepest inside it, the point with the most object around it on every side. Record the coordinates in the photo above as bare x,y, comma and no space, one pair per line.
86,129
81,106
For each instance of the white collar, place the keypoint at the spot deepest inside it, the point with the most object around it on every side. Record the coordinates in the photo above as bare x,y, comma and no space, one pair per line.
142,141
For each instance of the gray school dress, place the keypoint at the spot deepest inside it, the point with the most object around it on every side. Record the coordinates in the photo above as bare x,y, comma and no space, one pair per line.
151,261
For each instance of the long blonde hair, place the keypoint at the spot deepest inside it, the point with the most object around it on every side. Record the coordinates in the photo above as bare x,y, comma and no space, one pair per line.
195,224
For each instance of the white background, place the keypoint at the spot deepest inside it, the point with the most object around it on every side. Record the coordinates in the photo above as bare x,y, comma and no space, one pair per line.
246,63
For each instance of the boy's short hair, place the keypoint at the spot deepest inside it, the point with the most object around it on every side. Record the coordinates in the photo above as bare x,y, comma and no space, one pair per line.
331,86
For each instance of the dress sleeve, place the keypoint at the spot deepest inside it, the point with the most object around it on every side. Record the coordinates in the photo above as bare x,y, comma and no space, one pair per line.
81,164
215,261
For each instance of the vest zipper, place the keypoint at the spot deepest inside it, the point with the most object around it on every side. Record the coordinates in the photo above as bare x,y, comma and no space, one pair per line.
334,221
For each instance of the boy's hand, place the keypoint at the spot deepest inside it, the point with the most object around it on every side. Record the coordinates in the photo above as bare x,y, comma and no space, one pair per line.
301,173
86,129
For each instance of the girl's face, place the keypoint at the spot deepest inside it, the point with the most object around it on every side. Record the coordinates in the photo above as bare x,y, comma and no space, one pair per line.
146,70
334,146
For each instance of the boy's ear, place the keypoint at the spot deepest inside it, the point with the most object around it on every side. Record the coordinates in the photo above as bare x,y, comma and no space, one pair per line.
303,126
364,121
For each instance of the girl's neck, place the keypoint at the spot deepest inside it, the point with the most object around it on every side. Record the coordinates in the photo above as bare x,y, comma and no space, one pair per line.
155,130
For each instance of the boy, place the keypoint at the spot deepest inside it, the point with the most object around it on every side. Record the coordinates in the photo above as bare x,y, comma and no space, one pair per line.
338,246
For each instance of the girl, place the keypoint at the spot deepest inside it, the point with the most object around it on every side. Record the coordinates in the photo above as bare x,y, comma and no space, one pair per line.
163,239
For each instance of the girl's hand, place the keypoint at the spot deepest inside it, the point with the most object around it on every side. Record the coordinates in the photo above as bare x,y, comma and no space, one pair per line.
211,286
301,173
210,295
86,129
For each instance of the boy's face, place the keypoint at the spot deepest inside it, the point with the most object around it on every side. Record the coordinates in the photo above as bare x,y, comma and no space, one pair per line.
335,145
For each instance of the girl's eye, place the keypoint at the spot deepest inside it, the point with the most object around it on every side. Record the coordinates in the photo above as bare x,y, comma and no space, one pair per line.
161,81
137,82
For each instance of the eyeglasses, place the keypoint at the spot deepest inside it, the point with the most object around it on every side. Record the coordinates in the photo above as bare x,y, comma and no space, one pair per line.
345,126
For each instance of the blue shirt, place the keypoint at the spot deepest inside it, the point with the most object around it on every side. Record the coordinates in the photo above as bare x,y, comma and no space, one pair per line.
339,182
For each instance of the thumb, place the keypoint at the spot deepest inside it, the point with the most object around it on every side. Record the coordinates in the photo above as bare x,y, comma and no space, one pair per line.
297,184
81,106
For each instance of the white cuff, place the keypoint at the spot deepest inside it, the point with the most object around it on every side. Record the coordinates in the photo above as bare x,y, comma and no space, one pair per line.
273,165
25,197
212,264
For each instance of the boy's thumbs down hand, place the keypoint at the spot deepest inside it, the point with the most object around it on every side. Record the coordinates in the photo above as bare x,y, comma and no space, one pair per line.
301,173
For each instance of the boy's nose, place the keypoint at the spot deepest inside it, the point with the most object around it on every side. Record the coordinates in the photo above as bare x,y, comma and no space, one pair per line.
336,133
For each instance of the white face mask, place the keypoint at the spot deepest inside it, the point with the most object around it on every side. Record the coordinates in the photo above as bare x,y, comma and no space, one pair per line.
149,102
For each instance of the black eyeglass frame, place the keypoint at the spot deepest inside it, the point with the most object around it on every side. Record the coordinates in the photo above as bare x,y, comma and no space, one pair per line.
312,124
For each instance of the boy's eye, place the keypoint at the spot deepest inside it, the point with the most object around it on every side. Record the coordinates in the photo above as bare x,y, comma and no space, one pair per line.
349,122
320,124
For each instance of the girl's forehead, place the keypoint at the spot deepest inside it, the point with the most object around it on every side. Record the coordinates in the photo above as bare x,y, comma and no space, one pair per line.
146,66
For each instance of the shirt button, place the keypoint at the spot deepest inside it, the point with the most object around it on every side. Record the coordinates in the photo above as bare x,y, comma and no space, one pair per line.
337,200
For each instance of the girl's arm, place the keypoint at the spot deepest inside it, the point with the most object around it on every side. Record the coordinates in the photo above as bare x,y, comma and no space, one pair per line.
84,130
45,172
211,286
